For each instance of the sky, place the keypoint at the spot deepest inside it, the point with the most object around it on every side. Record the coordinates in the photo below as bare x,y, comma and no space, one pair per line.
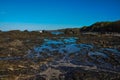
55,14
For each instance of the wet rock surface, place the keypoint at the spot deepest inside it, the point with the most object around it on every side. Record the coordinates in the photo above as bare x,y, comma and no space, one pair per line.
59,56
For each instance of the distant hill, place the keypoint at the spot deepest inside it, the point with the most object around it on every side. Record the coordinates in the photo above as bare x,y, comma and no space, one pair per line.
102,27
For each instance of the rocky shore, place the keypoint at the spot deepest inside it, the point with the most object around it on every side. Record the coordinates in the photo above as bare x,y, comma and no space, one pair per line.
66,54
34,55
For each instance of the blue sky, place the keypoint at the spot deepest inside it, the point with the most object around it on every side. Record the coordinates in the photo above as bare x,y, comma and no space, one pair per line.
55,14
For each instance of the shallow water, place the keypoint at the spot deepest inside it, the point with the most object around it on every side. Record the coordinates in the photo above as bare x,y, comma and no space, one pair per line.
56,33
73,53
10,58
85,54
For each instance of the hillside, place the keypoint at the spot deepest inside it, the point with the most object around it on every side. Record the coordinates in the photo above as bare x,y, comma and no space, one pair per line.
103,27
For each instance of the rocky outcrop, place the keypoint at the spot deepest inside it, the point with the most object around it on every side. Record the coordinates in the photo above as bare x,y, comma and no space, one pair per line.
103,27
16,43
74,31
